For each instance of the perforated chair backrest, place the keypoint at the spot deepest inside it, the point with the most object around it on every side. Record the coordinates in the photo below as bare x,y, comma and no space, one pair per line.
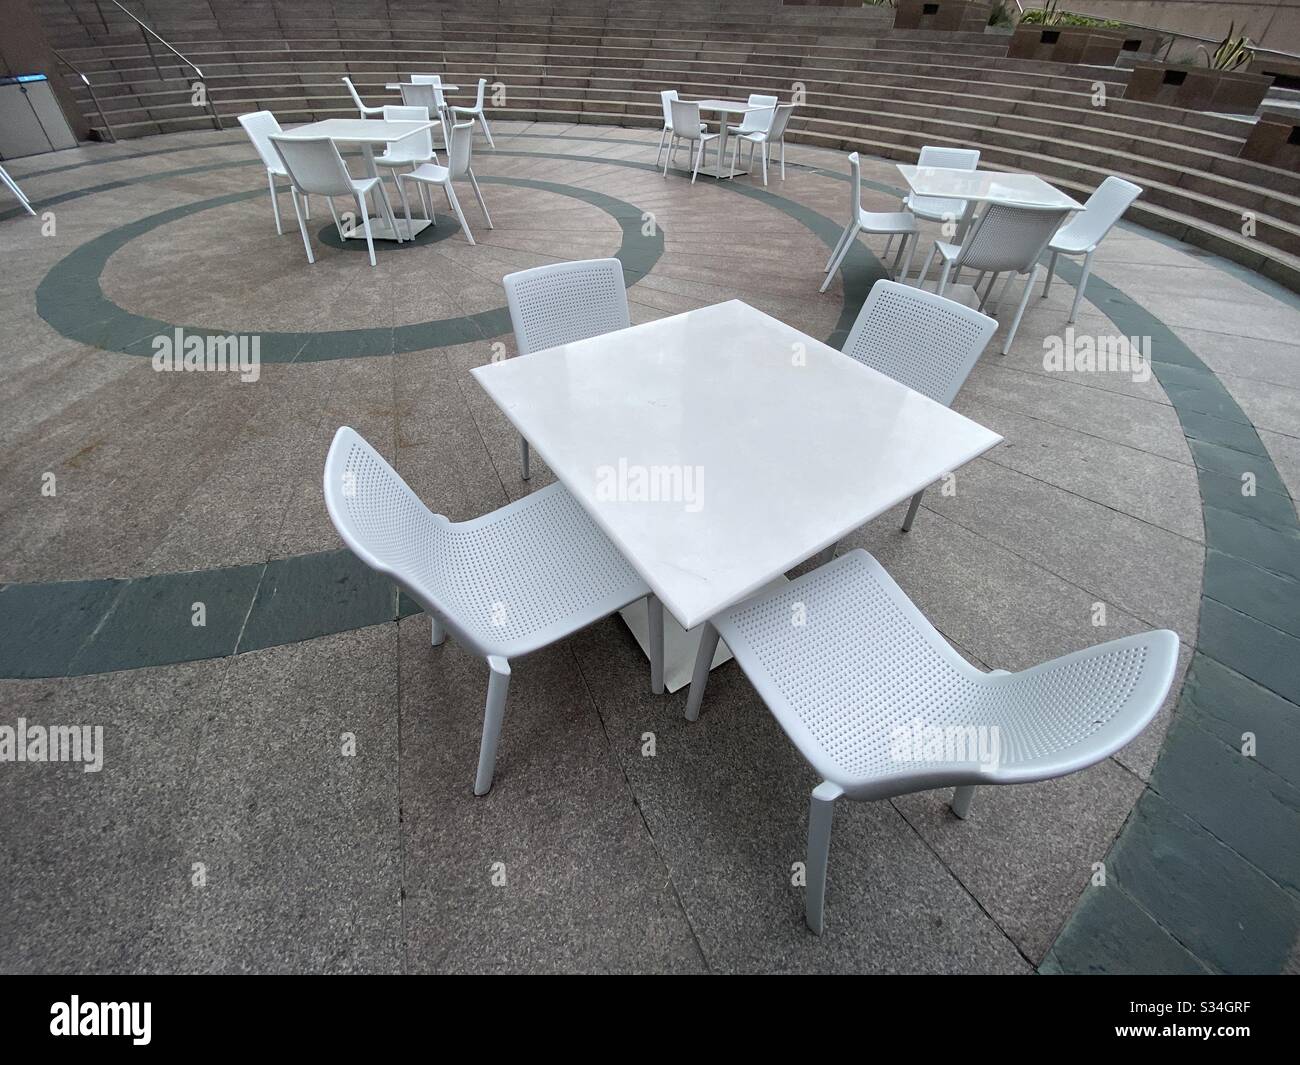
417,144
1104,208
261,126
419,95
1009,238
760,120
460,147
686,118
923,341
566,302
315,165
780,119
666,97
386,525
949,158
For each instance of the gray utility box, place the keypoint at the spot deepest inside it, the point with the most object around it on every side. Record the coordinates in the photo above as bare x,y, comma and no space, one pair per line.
31,120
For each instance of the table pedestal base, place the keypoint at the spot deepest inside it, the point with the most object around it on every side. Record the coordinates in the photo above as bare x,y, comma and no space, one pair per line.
381,230
680,645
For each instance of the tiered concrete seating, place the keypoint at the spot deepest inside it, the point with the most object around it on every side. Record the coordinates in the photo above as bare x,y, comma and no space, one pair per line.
867,88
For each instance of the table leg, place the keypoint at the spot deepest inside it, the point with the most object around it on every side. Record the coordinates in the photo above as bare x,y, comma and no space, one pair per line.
379,225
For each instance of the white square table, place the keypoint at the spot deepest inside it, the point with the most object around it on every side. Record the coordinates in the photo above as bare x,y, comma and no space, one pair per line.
724,109
984,186
766,446
367,132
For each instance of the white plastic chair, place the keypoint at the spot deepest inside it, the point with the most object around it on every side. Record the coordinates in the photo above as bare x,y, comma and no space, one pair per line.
21,196
758,120
688,127
772,133
666,97
261,126
1004,239
365,111
505,584
921,340
477,112
562,303
880,704
411,151
895,223
1086,230
458,166
315,166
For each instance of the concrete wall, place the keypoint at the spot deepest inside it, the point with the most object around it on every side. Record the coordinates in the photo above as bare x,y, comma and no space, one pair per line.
1271,23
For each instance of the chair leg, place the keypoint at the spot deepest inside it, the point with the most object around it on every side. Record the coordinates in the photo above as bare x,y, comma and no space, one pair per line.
943,277
455,206
961,800
275,203
523,458
1083,284
767,150
493,714
302,226
487,132
1051,269
655,610
821,812
386,209
699,154
925,270
365,215
700,678
662,137
854,229
735,154
911,511
1020,311
672,144
912,240
306,206
839,244
437,631
406,204
479,195
782,158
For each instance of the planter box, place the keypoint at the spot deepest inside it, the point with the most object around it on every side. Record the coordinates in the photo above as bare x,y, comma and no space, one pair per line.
930,14
1067,44
1197,88
1275,141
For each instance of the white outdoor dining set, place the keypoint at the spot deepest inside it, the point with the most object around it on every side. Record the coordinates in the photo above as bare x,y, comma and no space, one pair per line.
697,464
762,126
410,134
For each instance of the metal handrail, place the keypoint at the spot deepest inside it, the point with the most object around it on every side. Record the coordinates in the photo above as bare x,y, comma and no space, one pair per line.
146,32
112,135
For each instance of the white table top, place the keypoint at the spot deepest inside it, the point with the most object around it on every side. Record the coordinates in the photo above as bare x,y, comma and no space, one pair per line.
730,107
988,186
357,130
397,85
780,445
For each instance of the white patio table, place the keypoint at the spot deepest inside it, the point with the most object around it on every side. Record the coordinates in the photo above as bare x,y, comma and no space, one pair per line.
724,109
983,186
368,132
721,447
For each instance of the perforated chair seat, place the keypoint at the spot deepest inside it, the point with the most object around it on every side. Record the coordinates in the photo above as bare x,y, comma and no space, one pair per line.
881,705
866,664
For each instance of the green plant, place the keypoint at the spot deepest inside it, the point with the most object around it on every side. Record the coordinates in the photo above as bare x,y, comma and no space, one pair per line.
1000,15
1044,16
1233,53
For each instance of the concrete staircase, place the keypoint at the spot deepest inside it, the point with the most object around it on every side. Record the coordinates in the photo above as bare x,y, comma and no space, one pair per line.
865,87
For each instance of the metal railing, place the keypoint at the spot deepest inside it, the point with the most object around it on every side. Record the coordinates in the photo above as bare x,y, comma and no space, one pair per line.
108,126
149,37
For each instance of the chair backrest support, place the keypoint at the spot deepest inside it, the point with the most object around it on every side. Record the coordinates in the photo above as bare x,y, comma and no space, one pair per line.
261,126
926,342
666,97
314,165
417,144
686,118
1104,208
